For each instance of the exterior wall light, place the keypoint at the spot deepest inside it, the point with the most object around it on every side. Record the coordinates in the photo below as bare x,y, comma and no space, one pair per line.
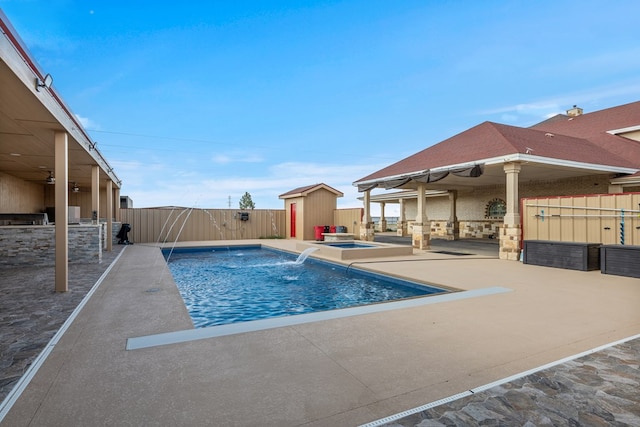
46,83
50,179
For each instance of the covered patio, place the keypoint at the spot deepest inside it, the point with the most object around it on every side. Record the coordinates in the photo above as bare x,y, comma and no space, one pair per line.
47,159
505,159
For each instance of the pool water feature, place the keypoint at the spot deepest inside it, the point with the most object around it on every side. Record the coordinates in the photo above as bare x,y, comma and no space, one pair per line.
239,284
347,250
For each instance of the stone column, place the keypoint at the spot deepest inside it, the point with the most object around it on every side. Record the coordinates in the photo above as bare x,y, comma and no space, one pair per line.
383,221
510,231
95,194
453,226
402,221
422,227
366,227
62,211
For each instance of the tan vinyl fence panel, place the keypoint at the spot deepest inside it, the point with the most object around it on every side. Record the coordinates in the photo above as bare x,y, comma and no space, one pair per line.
350,218
602,218
162,225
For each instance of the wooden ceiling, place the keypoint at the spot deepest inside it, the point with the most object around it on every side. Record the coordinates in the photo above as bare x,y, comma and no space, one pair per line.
29,118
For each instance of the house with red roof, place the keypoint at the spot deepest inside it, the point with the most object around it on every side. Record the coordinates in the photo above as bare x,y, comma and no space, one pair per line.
470,185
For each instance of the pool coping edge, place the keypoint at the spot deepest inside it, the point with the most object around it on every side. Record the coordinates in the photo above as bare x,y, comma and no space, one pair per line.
175,337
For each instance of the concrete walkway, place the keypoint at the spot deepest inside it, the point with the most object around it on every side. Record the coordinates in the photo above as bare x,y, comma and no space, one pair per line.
31,312
597,389
337,372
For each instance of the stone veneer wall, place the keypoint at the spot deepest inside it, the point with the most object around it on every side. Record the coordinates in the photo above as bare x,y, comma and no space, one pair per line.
471,204
34,245
480,229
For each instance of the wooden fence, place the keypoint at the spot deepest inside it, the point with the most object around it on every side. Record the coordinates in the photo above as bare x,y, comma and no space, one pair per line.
160,225
609,219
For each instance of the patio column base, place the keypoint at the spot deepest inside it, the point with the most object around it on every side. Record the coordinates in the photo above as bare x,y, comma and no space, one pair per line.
453,231
367,232
421,236
402,229
510,242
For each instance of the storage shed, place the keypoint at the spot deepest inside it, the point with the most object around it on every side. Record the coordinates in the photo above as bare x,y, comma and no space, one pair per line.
309,206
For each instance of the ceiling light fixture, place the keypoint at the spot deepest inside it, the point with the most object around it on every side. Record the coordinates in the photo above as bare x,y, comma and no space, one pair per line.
51,179
46,83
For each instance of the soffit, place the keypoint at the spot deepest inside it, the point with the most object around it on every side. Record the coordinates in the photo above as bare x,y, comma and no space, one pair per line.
28,126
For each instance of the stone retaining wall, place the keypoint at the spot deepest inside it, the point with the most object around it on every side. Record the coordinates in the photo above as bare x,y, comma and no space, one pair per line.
35,245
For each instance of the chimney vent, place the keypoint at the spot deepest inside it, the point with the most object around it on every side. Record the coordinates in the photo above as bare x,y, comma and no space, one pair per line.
574,112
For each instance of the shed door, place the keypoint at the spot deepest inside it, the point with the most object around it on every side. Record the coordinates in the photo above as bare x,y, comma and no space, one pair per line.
293,219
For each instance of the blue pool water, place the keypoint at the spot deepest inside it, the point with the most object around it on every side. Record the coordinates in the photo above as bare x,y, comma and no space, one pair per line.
230,285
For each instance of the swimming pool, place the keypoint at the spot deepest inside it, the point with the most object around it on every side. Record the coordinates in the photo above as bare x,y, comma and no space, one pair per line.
225,285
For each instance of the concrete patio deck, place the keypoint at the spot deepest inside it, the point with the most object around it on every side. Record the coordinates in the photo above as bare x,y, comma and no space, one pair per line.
345,371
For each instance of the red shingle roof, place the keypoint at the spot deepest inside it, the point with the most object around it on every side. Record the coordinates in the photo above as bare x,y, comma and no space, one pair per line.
594,126
581,139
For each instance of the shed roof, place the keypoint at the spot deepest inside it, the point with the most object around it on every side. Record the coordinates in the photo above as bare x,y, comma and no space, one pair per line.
304,191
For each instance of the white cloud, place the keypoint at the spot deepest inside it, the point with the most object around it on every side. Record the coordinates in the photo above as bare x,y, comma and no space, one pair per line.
546,108
534,108
87,123
221,159
226,158
191,189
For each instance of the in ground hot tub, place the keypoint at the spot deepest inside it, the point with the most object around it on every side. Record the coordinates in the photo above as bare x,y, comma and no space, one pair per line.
348,250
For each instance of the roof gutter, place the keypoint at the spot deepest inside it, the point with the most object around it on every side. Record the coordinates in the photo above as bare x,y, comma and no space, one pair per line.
528,158
516,157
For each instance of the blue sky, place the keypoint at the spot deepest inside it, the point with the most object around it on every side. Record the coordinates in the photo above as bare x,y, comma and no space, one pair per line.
201,101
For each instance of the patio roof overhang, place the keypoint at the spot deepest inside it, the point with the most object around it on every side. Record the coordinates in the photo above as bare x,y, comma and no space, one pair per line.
534,168
31,115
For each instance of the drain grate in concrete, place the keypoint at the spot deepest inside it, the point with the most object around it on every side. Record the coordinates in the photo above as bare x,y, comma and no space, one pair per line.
451,253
